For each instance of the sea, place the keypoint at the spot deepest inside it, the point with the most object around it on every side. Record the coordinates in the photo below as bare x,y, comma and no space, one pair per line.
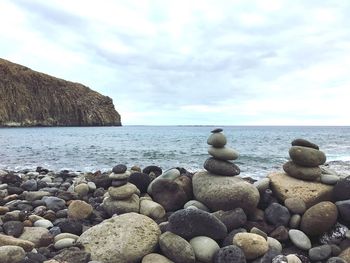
263,149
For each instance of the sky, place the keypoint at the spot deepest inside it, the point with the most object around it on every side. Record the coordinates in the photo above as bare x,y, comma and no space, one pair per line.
271,62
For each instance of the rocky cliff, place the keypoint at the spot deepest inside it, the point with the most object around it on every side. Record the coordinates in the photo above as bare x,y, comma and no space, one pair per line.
30,98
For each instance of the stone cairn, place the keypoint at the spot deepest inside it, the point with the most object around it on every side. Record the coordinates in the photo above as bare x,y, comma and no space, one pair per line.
305,160
123,197
220,162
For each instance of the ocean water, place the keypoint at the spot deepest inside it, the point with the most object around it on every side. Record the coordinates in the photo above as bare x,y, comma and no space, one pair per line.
262,149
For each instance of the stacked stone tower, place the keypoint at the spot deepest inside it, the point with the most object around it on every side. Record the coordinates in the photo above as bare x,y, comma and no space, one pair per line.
305,160
220,162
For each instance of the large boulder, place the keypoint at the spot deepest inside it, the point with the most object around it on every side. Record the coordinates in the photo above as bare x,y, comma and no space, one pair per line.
224,192
284,186
125,238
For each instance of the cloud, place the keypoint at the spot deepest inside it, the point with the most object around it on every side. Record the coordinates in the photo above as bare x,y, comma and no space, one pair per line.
193,62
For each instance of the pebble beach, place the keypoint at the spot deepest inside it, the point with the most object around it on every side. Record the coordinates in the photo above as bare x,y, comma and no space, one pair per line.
300,213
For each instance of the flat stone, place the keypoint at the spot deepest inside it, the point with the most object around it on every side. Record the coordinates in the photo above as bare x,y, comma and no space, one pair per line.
121,206
305,143
43,223
122,176
220,167
302,172
224,192
217,130
284,186
299,239
217,139
320,253
65,235
224,153
336,260
64,243
37,195
176,248
204,248
11,254
306,156
189,223
253,245
12,241
330,179
122,239
123,192
230,254
319,218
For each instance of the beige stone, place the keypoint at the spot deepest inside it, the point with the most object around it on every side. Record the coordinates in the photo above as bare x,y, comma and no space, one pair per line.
11,254
155,258
121,239
12,241
284,186
253,245
35,235
79,210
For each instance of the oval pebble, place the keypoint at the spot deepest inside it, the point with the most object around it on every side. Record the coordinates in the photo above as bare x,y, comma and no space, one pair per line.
204,248
64,243
299,239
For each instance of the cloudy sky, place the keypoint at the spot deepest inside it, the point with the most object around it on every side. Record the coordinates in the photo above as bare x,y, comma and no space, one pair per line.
270,62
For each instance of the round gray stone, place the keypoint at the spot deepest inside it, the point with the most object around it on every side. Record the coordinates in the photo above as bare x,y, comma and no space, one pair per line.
299,239
305,156
320,252
277,215
217,140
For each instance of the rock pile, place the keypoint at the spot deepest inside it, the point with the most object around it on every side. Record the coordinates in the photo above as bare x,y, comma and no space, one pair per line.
306,159
127,216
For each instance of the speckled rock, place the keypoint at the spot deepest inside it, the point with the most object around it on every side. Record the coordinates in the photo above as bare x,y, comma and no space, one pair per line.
189,223
11,254
335,235
125,238
204,248
221,167
319,218
176,248
224,192
229,254
311,193
306,156
252,245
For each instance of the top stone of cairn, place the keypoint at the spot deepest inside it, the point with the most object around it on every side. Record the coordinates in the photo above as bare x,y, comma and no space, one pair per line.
217,139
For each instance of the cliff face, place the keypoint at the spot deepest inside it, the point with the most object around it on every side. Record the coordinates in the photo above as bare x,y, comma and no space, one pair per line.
30,98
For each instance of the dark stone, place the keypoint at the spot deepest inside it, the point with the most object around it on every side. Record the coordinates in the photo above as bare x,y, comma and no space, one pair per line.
169,194
341,190
335,235
220,167
336,260
73,255
280,233
266,199
99,192
229,254
217,130
54,203
41,184
13,228
67,196
62,213
262,225
189,223
117,183
277,215
186,183
14,190
32,257
11,179
24,207
267,257
30,185
305,143
344,210
153,169
320,252
232,219
305,156
70,226
141,180
119,169
37,203
302,172
55,230
100,180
